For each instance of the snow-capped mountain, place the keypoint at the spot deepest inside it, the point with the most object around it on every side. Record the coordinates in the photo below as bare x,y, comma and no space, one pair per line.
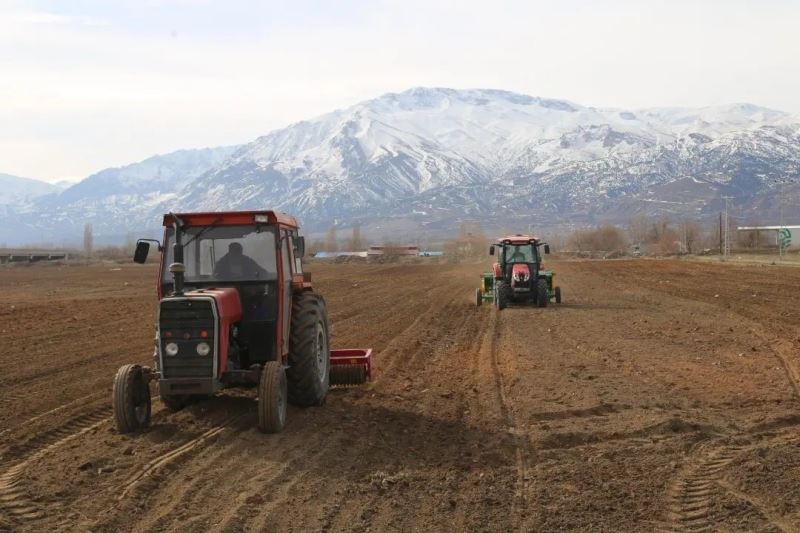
115,200
442,153
15,190
436,156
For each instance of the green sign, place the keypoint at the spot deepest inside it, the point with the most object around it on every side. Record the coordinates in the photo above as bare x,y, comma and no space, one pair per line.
784,238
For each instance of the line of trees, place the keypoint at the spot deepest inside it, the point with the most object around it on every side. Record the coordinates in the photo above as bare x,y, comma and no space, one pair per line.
649,234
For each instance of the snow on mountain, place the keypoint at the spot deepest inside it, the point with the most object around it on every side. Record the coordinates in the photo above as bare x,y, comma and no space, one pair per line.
116,200
15,190
433,150
441,155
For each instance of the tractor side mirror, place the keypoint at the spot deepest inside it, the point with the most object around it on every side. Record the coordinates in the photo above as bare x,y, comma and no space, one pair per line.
300,245
547,248
491,250
142,249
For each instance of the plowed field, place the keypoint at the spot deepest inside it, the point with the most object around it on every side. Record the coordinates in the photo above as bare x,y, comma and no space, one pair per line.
661,395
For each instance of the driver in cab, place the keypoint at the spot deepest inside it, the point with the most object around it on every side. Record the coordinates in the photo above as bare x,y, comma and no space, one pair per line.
236,265
518,256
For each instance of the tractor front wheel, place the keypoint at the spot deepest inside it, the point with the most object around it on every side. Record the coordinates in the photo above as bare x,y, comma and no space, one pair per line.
501,294
309,351
558,295
542,293
272,397
131,399
478,297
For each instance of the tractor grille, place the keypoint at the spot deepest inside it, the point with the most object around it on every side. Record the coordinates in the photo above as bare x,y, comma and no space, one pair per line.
187,322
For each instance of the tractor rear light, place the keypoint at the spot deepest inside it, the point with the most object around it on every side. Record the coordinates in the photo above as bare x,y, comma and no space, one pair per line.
171,348
203,349
204,334
187,335
168,334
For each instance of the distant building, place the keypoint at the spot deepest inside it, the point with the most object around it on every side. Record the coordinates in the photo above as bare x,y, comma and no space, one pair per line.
328,255
786,237
393,250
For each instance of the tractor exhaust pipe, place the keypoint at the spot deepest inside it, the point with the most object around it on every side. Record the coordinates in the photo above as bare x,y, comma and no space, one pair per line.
177,268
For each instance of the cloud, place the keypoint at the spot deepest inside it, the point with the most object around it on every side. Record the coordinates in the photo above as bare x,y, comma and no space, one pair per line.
97,84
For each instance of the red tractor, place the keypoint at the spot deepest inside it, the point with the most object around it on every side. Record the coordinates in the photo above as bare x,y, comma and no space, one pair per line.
235,309
519,275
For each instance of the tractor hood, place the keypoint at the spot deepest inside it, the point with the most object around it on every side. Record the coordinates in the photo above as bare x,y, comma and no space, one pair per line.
229,305
520,273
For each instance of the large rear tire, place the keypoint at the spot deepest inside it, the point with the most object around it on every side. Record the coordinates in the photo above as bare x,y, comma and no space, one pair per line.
272,398
542,292
501,295
309,351
131,399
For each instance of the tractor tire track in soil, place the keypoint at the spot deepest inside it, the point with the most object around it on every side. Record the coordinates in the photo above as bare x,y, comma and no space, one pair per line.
692,491
574,417
157,465
13,497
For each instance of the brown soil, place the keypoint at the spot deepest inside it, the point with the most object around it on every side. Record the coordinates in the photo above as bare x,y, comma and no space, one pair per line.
662,395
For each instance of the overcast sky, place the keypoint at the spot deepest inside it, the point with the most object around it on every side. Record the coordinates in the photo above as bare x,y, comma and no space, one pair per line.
88,84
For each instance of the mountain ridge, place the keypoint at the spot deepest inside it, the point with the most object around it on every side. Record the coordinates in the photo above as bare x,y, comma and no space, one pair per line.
437,156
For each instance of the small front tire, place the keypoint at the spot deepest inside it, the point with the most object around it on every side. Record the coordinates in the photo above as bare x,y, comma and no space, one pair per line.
272,398
478,297
558,295
131,399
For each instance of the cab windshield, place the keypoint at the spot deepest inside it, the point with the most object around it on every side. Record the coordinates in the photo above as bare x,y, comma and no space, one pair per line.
520,253
224,253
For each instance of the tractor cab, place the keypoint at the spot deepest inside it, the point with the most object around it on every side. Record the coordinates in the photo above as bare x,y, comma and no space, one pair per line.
236,309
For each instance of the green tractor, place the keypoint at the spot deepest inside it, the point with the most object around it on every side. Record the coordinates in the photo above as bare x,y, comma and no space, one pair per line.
518,276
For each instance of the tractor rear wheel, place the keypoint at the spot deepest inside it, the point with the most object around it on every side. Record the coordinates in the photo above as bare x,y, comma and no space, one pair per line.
309,351
131,399
478,297
272,398
558,295
542,292
501,296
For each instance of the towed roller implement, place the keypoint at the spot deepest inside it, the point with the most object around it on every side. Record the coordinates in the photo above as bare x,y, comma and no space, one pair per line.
351,366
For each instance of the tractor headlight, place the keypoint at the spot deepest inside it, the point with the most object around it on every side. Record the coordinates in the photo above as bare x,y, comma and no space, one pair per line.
203,348
171,348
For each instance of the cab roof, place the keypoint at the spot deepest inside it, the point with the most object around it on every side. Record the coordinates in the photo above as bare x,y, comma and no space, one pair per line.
232,218
518,238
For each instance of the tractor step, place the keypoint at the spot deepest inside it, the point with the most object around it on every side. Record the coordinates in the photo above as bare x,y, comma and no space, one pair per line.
351,366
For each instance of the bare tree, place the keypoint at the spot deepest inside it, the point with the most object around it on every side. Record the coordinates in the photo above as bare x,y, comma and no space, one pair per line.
88,241
356,243
637,229
691,235
331,243
606,238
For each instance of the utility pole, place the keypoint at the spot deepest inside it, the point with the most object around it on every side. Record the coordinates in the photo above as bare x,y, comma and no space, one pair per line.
780,232
727,241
